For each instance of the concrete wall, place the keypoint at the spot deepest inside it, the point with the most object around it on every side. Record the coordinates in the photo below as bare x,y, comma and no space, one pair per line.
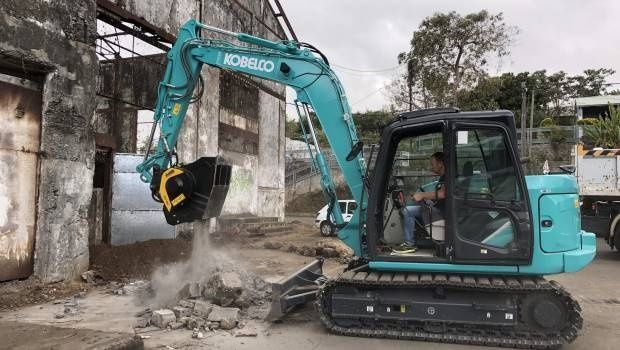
56,38
312,184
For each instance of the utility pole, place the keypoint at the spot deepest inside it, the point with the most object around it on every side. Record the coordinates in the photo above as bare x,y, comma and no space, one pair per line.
523,117
529,133
409,83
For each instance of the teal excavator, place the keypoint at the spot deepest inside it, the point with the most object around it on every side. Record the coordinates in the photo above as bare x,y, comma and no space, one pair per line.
477,275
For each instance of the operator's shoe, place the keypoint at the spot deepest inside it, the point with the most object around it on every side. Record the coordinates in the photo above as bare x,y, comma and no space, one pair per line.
405,248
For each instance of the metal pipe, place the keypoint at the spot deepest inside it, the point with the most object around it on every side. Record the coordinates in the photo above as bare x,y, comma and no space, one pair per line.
216,29
148,147
316,142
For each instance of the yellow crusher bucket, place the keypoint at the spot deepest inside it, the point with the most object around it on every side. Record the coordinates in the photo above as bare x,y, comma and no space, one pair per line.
193,191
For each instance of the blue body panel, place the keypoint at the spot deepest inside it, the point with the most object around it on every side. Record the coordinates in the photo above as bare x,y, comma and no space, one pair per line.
562,260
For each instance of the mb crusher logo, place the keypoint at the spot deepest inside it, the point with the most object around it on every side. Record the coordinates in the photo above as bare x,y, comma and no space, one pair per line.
231,59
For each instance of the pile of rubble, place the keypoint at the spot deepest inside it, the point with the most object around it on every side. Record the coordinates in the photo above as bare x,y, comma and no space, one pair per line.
326,249
221,302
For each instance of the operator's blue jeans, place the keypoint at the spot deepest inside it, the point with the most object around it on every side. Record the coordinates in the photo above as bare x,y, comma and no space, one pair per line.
411,213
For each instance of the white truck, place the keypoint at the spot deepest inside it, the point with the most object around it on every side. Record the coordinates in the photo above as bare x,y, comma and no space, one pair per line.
598,175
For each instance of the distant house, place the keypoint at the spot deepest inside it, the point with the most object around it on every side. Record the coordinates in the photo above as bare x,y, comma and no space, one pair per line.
296,149
595,106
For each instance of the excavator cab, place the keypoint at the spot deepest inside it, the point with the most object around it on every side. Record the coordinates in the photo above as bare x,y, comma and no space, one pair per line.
485,216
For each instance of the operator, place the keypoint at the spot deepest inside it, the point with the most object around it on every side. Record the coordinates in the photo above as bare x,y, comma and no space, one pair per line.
411,213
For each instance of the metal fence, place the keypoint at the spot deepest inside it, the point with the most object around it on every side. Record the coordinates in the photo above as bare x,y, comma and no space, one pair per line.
299,165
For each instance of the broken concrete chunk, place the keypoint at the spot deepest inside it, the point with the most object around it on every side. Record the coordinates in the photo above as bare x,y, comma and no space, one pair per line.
246,332
224,288
202,308
135,287
184,320
180,311
273,245
130,289
161,318
89,276
195,323
226,316
142,322
187,303
176,325
212,325
329,252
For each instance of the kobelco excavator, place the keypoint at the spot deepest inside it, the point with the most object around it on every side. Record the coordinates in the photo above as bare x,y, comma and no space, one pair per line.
477,274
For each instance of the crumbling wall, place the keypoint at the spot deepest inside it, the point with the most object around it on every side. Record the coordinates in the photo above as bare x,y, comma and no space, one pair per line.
125,86
57,38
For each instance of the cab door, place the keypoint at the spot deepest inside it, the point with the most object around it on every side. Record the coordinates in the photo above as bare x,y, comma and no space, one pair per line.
490,211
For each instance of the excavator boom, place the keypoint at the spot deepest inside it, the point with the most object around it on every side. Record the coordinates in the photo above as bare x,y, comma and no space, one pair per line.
296,65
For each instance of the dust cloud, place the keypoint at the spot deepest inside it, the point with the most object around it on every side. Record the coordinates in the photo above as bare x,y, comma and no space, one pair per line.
168,280
206,266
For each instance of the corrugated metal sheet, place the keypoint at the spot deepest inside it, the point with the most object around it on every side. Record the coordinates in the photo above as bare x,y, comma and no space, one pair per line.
20,117
135,216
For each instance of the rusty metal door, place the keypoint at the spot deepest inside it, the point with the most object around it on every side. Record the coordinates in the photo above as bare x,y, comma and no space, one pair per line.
20,129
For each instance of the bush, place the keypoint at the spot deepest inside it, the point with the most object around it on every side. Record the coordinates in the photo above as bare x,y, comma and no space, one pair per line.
547,123
587,121
605,132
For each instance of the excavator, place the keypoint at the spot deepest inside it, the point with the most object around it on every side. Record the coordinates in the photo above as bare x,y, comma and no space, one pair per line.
477,276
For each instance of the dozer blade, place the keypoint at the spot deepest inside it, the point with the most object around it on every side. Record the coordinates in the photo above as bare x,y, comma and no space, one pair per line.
194,191
297,289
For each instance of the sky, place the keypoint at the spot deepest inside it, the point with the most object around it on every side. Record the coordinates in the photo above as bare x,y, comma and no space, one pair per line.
367,35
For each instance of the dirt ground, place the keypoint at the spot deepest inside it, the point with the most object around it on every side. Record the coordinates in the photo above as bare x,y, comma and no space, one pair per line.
137,260
596,288
313,201
15,294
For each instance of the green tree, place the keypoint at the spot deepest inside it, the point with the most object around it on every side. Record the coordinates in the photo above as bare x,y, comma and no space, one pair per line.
450,52
553,92
369,125
591,83
292,129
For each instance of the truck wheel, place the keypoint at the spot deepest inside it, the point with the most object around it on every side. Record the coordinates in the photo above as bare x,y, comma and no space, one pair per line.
614,232
327,228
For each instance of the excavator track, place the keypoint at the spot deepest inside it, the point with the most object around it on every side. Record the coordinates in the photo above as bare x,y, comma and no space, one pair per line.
530,298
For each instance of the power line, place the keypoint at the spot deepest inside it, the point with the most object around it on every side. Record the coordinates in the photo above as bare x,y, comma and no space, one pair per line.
368,70
367,96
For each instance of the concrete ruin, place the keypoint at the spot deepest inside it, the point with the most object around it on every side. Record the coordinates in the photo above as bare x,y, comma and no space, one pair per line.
53,43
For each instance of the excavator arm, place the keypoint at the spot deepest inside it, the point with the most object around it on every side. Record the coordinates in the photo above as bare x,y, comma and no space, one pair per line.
297,65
